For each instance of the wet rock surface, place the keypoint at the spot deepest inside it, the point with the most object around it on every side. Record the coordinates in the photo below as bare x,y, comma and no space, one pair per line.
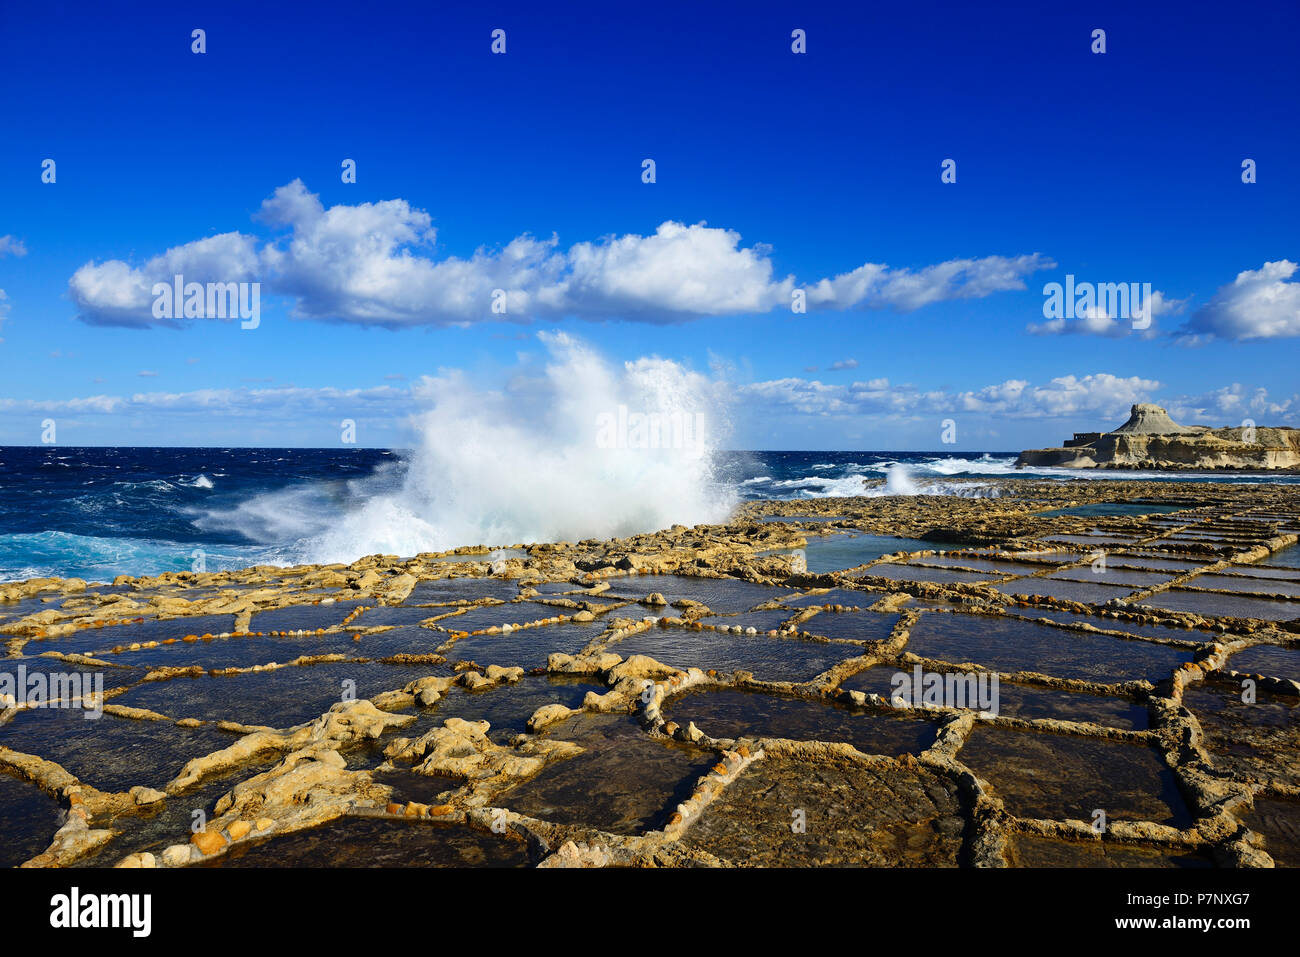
1017,700
366,842
1277,821
768,658
1029,850
1257,740
887,815
1070,777
30,818
1011,645
672,699
640,779
748,714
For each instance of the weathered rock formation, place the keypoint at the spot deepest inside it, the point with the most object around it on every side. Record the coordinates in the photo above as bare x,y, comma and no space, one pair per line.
1150,439
682,713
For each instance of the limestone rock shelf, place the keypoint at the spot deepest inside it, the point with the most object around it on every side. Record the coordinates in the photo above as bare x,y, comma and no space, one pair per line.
691,697
1152,440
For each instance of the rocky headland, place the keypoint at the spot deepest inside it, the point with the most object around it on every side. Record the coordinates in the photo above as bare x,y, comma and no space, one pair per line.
1151,440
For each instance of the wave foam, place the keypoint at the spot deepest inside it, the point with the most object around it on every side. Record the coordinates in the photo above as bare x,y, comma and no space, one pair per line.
525,463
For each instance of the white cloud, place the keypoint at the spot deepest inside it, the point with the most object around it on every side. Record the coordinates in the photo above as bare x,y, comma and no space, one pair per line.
1232,404
286,401
113,293
844,364
1100,398
805,396
9,246
95,403
875,285
1100,395
375,264
1097,322
1258,304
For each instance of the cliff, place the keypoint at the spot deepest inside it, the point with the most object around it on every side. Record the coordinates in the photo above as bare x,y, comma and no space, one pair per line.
1150,439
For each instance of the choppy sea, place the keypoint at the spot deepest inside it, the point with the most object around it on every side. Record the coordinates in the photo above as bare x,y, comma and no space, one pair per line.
95,513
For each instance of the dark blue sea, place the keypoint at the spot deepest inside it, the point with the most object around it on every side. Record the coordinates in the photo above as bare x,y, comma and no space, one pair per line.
95,513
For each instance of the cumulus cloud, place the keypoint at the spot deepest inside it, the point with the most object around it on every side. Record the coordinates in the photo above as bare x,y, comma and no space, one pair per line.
106,404
805,396
1100,397
1099,394
114,293
254,403
876,285
9,246
1259,304
844,364
1232,404
1096,321
377,264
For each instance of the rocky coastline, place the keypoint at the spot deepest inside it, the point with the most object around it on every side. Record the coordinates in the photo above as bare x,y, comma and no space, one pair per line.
631,701
1151,441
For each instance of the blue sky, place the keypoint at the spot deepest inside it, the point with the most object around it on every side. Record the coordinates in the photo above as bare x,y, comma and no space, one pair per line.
1117,167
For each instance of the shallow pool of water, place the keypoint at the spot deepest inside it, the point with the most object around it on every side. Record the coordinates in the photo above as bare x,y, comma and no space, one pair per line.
722,595
769,659
853,815
1253,740
1030,850
378,842
526,648
447,590
1088,592
851,625
737,714
624,782
1277,820
30,819
834,553
280,698
1271,660
1211,605
1100,509
1060,777
1245,585
1016,700
111,753
918,573
1010,645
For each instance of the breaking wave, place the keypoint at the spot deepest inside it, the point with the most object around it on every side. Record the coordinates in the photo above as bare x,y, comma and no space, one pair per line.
581,449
